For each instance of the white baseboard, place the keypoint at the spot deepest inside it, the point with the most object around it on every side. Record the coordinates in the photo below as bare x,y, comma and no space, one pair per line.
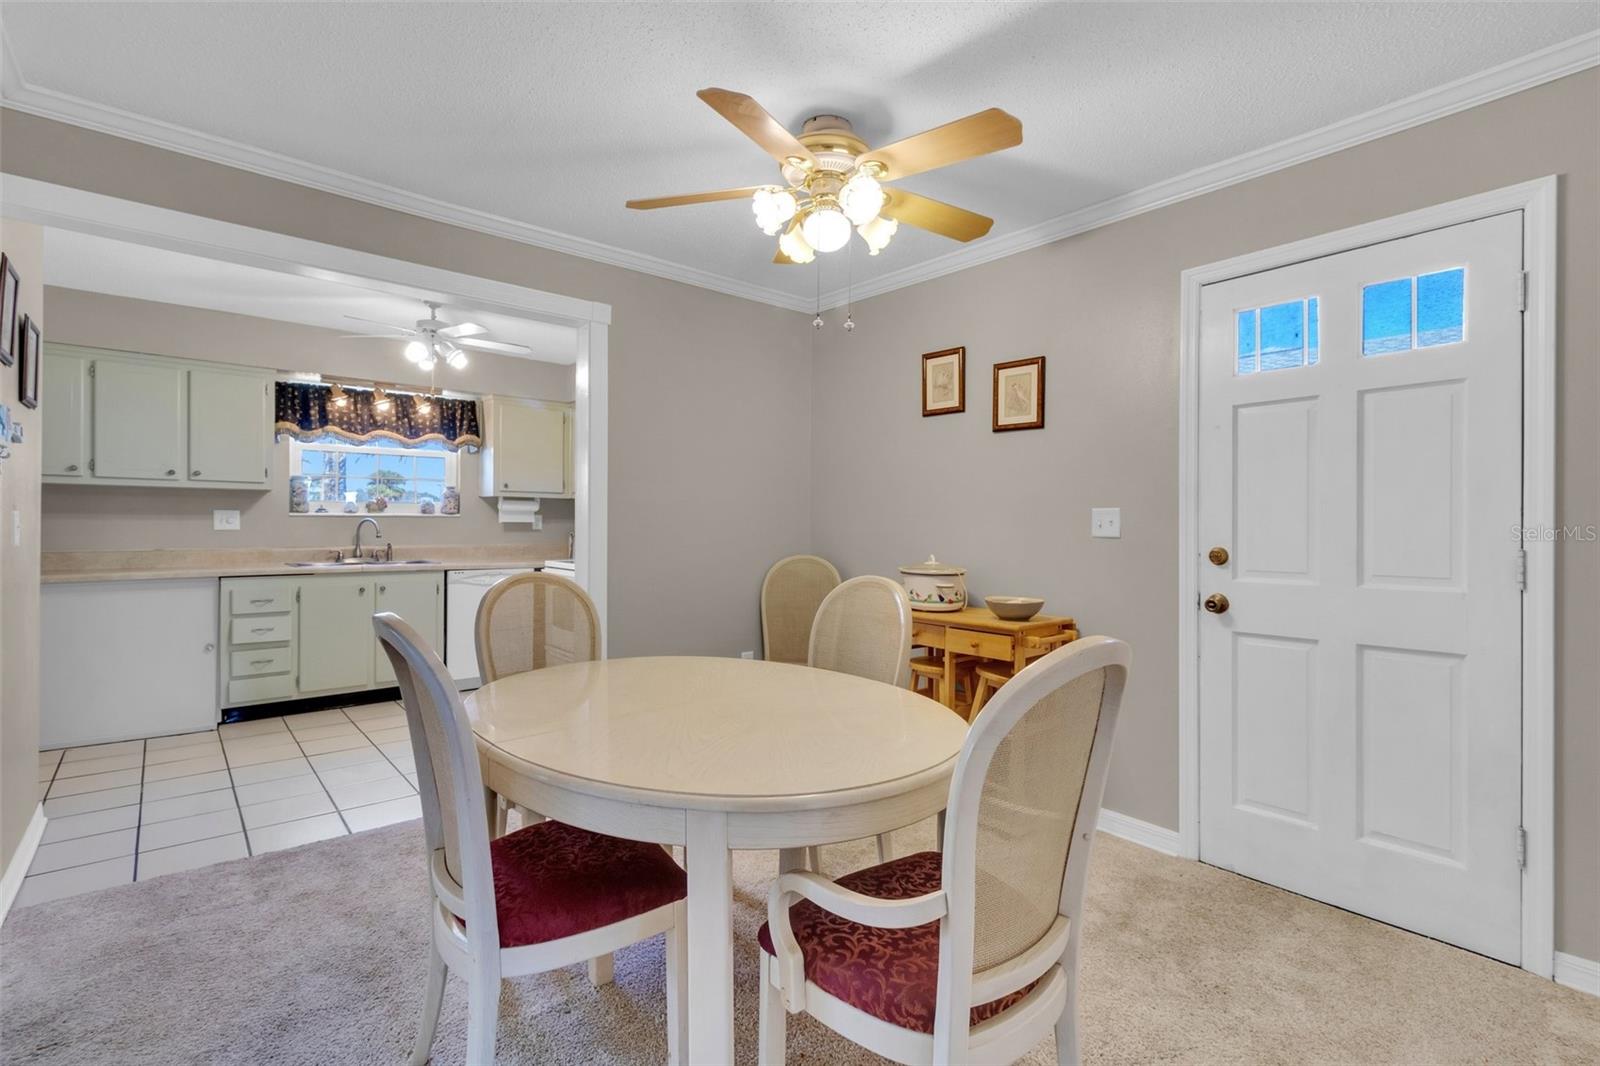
1155,837
1574,971
17,869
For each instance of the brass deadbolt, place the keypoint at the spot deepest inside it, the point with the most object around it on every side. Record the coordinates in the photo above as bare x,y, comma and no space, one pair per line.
1217,603
1218,556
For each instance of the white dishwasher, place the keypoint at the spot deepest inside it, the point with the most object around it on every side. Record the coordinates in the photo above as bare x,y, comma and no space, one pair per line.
463,590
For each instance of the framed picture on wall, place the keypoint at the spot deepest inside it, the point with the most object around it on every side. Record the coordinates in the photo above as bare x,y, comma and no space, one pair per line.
944,382
28,360
10,287
1019,394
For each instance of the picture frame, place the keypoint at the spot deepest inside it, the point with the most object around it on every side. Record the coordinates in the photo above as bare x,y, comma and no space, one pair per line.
10,292
29,356
1019,394
944,382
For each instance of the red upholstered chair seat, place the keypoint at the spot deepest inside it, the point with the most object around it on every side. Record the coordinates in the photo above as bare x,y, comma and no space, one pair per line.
892,974
553,880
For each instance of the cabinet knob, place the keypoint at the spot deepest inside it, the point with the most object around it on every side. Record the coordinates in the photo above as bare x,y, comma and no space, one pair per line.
210,648
194,473
505,484
362,591
383,588
172,473
72,468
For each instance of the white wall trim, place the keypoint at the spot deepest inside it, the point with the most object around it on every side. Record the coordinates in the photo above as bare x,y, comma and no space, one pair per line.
1557,61
1574,971
21,859
1147,834
1537,200
126,220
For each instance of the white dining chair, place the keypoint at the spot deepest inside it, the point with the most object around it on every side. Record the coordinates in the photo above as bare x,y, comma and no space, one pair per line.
527,622
863,627
790,594
969,955
538,899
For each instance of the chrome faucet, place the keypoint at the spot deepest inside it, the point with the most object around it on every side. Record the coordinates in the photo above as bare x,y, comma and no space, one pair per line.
376,532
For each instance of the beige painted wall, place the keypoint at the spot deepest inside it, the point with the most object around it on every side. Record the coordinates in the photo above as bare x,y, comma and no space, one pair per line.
1103,308
710,395
97,518
19,569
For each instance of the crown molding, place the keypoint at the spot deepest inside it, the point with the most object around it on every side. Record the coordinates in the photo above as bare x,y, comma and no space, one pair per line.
1558,61
1568,57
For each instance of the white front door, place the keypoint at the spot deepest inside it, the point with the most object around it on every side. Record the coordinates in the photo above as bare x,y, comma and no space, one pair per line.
1360,689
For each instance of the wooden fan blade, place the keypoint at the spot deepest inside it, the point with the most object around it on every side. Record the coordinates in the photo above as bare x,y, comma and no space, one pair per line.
495,346
464,329
944,219
987,131
694,198
754,122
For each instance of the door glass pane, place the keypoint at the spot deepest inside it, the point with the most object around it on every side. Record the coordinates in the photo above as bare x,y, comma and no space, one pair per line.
1312,343
1440,307
1386,317
1283,336
1247,342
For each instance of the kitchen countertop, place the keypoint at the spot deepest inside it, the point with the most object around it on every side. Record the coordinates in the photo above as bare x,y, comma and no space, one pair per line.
78,567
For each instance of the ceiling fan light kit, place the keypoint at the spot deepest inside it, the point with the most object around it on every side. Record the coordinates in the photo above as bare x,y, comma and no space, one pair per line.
833,182
433,341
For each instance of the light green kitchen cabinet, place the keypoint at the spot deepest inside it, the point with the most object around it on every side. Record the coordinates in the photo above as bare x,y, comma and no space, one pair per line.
138,417
335,632
527,449
64,427
417,598
229,433
126,418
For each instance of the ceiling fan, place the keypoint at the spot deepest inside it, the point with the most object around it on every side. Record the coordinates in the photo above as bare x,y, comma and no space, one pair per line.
437,341
832,181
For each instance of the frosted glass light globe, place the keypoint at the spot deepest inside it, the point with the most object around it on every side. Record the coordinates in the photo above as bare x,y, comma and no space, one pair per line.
861,198
793,245
826,229
416,352
773,207
877,233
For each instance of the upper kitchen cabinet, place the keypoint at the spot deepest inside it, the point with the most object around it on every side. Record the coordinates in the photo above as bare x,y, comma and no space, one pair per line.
230,438
137,417
64,452
122,418
527,448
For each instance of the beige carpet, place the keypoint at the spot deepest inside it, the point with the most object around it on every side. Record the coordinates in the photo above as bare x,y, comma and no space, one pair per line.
315,956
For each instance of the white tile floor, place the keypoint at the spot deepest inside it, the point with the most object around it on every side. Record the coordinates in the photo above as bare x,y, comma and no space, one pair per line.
142,808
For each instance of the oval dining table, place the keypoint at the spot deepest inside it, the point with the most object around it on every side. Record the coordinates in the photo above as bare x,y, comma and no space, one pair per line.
715,755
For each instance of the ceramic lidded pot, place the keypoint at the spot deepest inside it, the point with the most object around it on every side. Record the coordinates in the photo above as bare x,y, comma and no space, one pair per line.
935,586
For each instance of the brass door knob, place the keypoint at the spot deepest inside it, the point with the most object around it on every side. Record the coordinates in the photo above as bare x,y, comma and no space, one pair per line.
1217,603
1218,556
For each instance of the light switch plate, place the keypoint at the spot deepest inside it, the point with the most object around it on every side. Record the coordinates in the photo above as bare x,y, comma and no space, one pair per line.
1105,522
747,655
225,520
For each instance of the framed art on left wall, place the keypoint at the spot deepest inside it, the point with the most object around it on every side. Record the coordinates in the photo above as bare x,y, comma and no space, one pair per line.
10,286
29,345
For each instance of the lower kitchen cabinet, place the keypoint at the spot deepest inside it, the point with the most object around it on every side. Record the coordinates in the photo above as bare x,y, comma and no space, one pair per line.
309,635
126,659
417,598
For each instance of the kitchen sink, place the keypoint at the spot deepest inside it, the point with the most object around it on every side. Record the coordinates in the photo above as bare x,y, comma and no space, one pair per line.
418,562
330,565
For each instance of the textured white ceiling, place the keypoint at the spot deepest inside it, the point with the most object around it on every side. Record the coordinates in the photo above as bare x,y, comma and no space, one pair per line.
98,264
554,114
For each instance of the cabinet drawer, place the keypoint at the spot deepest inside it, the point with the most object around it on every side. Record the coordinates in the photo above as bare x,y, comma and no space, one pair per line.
974,642
926,636
264,597
249,663
262,629
275,687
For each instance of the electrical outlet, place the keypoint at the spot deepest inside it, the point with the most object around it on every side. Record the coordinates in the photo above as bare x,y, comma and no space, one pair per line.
747,655
225,520
1105,522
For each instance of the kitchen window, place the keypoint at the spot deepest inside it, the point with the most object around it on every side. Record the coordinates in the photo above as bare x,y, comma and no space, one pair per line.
340,478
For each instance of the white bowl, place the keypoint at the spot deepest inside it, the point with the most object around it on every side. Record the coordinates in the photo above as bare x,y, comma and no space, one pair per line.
1014,608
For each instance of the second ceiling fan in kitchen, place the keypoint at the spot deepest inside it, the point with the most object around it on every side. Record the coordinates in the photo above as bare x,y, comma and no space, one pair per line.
832,182
435,342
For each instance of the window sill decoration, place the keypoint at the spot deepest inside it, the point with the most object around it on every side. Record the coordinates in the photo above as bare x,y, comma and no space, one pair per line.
310,412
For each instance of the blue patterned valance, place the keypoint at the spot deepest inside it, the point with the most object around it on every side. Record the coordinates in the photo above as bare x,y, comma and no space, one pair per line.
304,412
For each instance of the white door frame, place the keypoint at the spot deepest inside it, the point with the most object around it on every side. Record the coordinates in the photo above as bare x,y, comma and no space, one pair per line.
1537,200
48,204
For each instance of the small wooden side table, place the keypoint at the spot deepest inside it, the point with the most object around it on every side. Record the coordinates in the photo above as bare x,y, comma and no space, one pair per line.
977,632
